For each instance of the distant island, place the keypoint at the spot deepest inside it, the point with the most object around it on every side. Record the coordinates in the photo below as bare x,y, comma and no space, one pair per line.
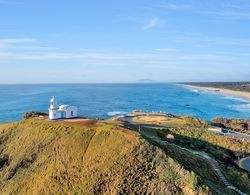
138,153
145,81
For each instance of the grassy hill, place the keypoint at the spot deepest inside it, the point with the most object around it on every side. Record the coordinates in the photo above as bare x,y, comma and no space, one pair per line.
42,157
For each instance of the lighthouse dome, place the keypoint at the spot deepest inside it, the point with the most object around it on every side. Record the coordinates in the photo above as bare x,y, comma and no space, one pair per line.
52,100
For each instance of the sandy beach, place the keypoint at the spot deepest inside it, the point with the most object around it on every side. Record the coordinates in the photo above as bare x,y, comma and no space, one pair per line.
241,94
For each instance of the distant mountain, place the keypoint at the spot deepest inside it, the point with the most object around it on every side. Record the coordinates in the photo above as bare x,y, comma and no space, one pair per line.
146,81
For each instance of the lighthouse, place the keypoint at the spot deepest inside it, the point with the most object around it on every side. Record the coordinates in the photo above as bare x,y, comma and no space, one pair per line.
52,103
61,111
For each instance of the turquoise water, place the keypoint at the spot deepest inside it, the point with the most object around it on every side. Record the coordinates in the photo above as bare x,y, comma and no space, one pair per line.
105,100
245,164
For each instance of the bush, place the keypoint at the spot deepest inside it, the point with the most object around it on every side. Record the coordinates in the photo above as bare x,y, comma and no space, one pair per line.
193,180
33,114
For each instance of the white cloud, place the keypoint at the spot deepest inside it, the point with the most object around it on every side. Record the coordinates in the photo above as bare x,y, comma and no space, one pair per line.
7,43
232,14
153,23
17,40
162,57
67,55
223,9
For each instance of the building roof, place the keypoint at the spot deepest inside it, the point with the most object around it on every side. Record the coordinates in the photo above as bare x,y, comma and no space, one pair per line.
63,107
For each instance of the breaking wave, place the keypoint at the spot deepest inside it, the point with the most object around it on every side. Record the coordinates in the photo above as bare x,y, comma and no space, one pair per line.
234,98
115,113
241,107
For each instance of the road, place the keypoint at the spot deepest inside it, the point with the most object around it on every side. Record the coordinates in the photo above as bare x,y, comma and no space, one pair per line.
227,133
235,135
212,163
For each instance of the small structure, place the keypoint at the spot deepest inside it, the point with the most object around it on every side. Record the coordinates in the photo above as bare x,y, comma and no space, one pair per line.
215,129
61,111
170,138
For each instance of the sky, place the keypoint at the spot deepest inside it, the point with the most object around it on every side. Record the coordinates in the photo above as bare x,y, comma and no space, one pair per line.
116,41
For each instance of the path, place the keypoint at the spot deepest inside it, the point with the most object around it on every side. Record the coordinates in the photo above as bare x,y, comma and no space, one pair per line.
212,163
228,133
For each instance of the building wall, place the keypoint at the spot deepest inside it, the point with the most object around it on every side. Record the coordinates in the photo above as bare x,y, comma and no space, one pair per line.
54,114
71,112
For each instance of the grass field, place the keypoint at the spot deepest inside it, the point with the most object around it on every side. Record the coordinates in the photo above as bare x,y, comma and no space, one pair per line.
181,121
43,157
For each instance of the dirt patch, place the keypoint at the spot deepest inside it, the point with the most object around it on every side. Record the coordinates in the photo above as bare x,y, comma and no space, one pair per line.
81,121
152,119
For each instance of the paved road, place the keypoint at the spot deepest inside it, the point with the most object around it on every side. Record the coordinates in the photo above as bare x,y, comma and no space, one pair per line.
227,133
212,163
236,135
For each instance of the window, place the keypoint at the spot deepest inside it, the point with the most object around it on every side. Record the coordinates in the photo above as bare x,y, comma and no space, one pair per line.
72,113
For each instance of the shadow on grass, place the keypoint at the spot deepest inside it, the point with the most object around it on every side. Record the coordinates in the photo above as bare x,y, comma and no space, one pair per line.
196,163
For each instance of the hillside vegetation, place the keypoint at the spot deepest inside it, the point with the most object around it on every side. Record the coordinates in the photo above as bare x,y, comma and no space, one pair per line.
236,86
42,157
239,125
172,120
192,133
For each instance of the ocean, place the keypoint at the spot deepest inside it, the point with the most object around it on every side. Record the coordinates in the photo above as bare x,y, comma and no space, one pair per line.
107,100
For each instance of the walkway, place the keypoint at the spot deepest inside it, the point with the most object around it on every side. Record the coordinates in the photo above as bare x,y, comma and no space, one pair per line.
212,163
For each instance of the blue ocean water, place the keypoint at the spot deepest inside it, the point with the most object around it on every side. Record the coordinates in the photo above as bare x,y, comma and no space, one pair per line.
105,100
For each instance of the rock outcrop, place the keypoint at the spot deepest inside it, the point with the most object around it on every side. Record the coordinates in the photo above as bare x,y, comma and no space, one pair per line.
239,125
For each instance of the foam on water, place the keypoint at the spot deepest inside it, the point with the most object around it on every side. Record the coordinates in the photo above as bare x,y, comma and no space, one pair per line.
116,113
241,107
230,97
106,100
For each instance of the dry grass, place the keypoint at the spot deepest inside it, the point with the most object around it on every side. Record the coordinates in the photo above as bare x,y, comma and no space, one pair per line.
158,120
170,121
40,157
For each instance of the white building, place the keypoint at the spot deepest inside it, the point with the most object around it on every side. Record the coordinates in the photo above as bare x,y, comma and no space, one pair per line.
62,111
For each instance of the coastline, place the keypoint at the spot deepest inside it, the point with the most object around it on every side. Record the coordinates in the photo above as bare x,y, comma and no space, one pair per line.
244,163
241,94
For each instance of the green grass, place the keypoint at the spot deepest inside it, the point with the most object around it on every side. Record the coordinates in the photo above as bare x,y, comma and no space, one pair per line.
224,149
236,86
40,157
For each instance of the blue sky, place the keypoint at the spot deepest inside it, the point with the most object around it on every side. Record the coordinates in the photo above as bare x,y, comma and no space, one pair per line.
76,41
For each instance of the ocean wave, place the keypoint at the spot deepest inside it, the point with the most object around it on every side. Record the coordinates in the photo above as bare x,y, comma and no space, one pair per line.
201,90
234,98
241,107
195,90
115,113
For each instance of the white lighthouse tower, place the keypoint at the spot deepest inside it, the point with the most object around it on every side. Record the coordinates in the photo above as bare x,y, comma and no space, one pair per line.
53,109
62,111
52,103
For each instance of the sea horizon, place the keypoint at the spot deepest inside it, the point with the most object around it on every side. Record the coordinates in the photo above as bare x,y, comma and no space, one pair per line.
105,100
